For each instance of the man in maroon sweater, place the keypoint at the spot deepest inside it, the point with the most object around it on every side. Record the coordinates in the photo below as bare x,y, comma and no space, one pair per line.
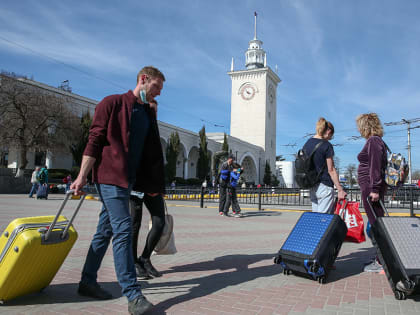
124,153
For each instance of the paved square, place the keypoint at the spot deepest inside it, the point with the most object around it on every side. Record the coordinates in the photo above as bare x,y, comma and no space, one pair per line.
223,266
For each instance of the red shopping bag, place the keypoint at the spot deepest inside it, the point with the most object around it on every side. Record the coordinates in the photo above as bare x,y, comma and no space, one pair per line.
349,212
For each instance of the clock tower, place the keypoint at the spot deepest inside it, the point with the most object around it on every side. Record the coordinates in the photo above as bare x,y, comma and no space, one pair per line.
253,101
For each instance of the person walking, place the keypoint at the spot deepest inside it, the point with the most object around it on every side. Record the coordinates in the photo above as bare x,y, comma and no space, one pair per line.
371,173
125,153
232,198
156,206
43,181
34,181
67,181
224,179
322,194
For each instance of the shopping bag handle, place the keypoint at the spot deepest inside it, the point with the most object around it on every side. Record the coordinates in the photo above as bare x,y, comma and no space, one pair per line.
66,198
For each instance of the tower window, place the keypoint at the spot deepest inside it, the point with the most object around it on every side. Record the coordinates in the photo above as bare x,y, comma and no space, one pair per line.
269,115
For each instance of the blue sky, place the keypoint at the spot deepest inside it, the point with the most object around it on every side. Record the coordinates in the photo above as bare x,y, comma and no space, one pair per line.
336,59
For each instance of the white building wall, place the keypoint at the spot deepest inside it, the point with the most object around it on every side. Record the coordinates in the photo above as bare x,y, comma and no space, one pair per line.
285,172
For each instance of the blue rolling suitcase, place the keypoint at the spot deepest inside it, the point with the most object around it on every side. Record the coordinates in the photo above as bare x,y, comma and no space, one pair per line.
312,246
42,192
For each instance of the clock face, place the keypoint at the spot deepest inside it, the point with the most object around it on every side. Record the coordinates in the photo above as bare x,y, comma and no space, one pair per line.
247,92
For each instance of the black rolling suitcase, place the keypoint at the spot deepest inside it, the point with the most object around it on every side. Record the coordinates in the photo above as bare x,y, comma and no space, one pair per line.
312,246
397,241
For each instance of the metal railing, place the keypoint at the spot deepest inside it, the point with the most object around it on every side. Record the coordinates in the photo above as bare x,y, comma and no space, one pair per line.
401,198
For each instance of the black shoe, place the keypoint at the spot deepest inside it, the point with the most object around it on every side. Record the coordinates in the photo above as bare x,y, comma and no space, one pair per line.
139,306
93,291
149,267
142,272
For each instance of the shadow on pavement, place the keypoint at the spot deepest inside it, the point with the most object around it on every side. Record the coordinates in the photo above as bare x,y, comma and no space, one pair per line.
246,214
207,285
62,293
351,264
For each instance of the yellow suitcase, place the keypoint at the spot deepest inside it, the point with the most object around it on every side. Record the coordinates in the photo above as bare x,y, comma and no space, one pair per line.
32,251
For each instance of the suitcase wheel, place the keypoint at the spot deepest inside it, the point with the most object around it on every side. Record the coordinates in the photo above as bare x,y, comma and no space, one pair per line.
399,295
322,279
277,260
409,284
314,268
287,272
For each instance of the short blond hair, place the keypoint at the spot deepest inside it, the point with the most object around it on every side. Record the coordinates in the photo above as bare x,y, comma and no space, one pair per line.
152,72
369,125
322,126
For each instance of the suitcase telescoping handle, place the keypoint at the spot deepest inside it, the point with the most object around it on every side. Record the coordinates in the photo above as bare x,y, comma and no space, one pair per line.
382,205
66,198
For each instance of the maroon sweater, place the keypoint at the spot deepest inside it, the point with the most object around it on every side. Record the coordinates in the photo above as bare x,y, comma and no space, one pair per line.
108,142
373,160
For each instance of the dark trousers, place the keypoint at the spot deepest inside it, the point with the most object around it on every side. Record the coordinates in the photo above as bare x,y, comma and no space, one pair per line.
232,199
222,196
156,208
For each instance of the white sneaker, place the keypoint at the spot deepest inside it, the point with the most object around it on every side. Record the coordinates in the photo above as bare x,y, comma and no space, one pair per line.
373,267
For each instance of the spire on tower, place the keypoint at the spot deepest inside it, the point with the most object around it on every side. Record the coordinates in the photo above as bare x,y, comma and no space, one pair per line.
255,25
255,55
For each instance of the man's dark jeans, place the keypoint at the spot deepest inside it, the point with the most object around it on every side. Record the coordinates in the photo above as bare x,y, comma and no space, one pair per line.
222,196
114,222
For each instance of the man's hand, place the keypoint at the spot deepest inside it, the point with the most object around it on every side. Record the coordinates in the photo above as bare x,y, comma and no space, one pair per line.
78,184
374,196
152,194
342,195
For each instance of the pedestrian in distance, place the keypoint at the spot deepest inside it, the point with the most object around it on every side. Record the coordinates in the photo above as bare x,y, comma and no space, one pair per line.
224,179
371,172
34,181
155,205
67,181
43,188
322,194
232,198
124,153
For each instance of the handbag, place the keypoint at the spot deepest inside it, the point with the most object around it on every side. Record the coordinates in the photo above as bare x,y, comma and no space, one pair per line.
166,243
349,212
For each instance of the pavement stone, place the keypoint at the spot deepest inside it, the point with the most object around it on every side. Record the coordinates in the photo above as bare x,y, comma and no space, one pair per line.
223,266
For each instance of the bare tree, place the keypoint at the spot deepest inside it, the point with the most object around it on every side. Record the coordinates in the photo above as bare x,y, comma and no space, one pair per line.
33,119
351,174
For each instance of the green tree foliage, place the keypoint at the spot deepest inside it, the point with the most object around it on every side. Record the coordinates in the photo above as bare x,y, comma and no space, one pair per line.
79,145
172,151
274,181
267,174
225,146
203,163
218,158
